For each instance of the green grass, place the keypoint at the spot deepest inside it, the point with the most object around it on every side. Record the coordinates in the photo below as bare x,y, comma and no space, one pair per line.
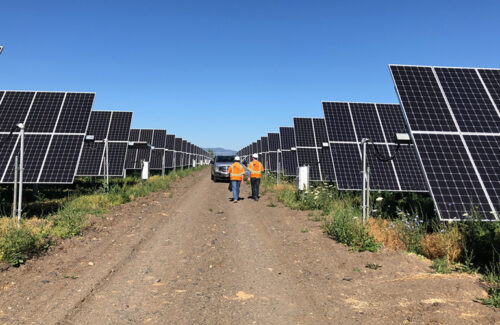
492,277
440,265
493,299
19,244
73,215
344,225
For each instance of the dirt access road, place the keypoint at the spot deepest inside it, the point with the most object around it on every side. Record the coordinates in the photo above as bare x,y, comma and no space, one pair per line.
189,256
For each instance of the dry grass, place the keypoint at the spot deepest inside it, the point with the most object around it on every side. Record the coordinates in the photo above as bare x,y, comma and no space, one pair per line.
446,244
282,187
443,245
383,233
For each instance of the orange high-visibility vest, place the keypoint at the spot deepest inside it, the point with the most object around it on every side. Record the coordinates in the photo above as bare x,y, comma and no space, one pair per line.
256,169
236,171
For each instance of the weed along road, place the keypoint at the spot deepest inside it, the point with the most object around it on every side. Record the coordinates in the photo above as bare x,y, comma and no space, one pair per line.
189,256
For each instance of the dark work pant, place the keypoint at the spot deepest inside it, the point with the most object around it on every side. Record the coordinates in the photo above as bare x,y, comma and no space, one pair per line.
255,182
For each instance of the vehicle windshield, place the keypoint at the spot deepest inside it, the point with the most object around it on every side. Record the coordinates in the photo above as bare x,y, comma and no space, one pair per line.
224,159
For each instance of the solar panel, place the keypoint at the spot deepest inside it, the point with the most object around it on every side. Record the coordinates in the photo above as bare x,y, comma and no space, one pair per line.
289,162
159,138
184,153
169,159
273,140
309,157
347,124
136,155
325,159
146,135
115,126
307,153
178,159
454,119
119,129
265,145
156,160
265,149
157,154
178,144
170,151
310,135
170,143
288,156
188,161
134,135
55,126
287,138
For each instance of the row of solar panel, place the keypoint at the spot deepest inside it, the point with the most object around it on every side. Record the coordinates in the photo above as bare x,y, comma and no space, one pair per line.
64,138
453,118
332,148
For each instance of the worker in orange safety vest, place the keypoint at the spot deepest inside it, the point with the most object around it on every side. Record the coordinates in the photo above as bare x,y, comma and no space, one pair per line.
255,167
236,174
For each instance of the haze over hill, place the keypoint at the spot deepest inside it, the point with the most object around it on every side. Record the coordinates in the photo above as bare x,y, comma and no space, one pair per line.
222,151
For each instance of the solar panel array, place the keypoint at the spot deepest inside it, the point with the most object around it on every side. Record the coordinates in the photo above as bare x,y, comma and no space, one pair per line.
347,124
55,126
163,150
454,118
113,126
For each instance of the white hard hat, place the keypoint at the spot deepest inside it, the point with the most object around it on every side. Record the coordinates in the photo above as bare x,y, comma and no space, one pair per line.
256,156
237,158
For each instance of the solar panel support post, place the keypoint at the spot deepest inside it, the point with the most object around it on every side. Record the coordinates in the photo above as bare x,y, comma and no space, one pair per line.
106,166
16,171
163,165
278,169
366,190
21,170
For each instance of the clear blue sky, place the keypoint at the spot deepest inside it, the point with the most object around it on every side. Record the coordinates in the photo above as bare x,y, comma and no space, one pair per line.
223,73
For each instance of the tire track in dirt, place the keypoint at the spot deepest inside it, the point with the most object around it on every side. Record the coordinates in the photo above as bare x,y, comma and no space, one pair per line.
46,289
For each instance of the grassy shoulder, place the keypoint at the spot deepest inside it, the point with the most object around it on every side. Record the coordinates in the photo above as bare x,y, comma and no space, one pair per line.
400,221
36,234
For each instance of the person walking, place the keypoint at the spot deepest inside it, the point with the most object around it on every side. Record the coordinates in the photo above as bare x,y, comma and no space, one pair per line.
255,167
236,172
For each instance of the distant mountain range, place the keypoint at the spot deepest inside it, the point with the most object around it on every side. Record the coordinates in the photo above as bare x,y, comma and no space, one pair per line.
222,151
